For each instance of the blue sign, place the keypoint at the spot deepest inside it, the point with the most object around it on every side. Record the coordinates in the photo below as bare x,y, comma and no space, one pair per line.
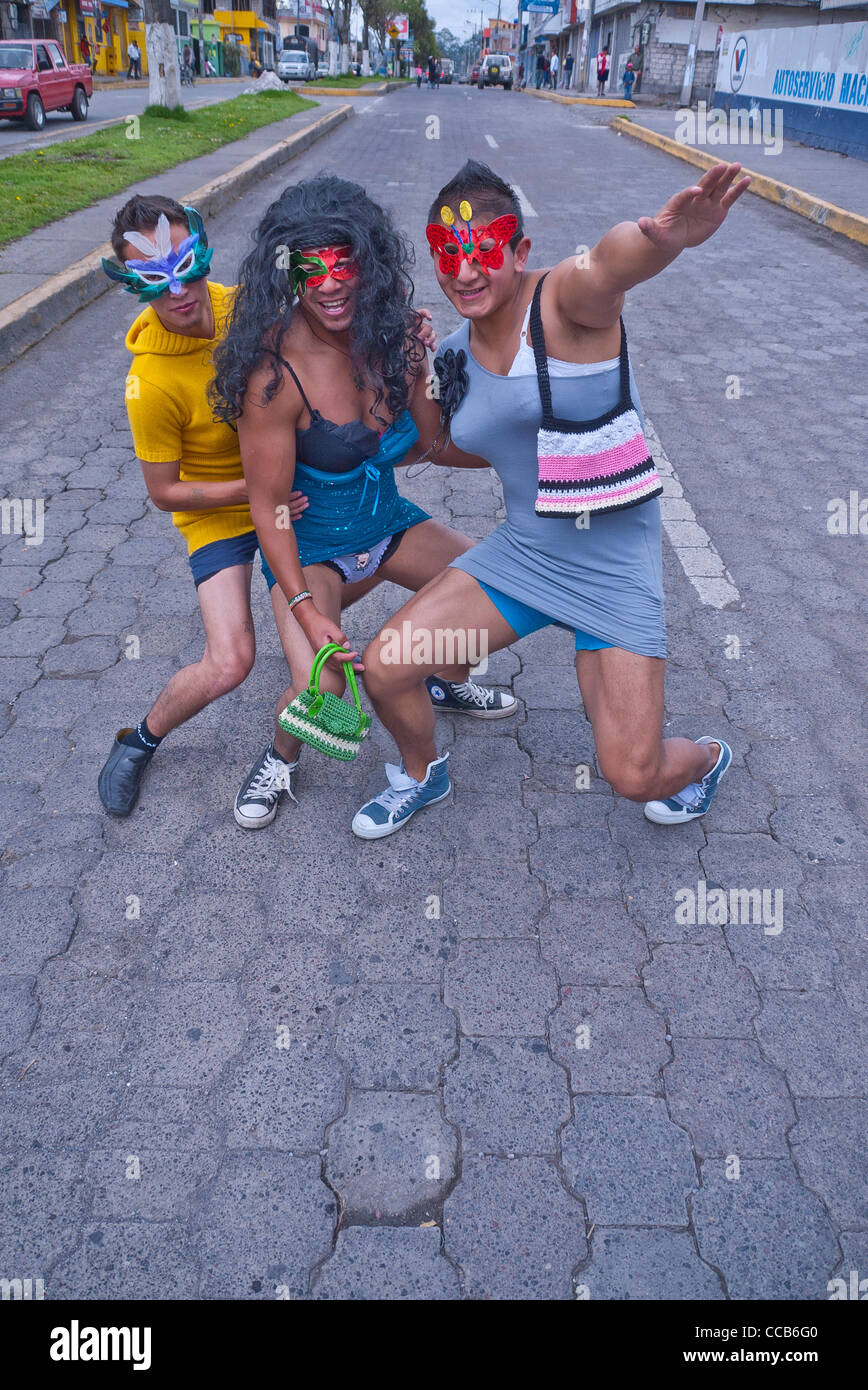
541,6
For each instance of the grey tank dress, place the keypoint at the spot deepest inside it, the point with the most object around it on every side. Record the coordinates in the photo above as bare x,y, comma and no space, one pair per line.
606,579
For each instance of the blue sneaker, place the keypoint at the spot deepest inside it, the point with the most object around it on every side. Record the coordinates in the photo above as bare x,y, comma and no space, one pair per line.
695,800
466,697
403,797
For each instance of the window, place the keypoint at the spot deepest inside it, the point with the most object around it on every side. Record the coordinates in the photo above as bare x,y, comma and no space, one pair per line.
43,62
59,60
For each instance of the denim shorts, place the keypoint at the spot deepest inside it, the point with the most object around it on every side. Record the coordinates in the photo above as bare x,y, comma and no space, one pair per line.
210,559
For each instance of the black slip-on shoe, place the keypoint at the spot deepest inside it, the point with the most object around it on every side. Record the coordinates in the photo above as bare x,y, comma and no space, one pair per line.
121,776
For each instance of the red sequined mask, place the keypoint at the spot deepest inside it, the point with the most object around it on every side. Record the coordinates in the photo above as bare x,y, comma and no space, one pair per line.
337,262
484,245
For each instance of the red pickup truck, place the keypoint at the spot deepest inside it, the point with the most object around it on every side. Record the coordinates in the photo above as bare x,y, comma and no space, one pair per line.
35,77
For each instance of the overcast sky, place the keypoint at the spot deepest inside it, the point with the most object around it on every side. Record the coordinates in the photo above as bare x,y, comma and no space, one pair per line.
452,14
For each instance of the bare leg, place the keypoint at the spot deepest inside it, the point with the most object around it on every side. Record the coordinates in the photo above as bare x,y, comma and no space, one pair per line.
326,586
427,550
623,698
453,600
230,647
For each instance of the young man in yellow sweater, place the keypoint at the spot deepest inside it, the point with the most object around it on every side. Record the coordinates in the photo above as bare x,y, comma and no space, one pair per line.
191,465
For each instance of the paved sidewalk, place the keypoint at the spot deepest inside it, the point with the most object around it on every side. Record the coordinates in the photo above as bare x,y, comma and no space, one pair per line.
823,173
27,262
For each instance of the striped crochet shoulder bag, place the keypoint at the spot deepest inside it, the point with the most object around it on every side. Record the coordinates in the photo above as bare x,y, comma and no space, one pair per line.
594,466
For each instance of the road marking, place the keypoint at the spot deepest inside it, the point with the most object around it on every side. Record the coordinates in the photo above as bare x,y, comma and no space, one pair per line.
492,142
526,206
697,553
363,110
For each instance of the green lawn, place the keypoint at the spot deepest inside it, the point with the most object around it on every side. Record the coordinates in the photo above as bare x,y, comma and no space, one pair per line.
42,185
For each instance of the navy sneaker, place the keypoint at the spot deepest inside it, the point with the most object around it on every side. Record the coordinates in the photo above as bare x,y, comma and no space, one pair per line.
694,800
266,784
466,697
403,797
121,776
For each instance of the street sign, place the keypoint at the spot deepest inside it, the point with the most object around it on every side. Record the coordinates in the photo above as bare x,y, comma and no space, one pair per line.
541,6
399,27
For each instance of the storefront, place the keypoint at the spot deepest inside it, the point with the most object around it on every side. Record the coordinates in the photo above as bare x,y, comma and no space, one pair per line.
250,33
109,27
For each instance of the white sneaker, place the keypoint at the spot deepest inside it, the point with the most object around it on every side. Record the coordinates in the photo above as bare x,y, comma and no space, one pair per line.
268,780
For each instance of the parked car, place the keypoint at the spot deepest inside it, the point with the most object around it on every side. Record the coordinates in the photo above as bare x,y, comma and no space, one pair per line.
35,77
322,67
474,74
297,60
496,71
447,70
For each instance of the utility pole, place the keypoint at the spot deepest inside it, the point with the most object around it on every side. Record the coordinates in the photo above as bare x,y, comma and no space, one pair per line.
690,64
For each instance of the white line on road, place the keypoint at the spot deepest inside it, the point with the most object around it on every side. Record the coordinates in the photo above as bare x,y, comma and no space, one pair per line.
363,110
492,142
691,542
526,206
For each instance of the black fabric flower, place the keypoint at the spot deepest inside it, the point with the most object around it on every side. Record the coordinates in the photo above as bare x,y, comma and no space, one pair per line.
451,370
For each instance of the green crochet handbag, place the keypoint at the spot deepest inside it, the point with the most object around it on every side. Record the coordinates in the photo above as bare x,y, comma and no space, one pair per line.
323,720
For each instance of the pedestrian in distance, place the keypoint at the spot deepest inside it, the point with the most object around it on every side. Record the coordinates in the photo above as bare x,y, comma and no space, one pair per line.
628,78
581,543
547,72
325,378
520,76
85,51
134,57
602,70
568,70
539,69
418,77
554,65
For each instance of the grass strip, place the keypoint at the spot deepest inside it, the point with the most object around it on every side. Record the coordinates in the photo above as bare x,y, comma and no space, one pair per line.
44,184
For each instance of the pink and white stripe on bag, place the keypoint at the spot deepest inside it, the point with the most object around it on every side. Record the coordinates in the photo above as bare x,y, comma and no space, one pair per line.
600,465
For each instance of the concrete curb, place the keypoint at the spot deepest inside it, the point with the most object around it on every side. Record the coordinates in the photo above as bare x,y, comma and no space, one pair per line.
824,214
314,89
27,320
579,101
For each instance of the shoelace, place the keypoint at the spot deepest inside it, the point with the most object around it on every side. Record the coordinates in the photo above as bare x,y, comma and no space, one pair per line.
691,797
477,693
400,790
272,778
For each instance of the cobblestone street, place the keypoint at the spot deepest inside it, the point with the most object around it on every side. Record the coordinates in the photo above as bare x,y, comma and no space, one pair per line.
490,1057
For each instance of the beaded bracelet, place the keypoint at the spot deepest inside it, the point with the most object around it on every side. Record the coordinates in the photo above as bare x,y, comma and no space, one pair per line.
305,593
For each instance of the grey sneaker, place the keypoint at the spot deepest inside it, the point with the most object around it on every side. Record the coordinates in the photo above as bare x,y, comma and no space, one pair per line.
268,780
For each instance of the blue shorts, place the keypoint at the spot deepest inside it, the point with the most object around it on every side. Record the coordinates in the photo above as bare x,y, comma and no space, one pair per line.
523,619
210,559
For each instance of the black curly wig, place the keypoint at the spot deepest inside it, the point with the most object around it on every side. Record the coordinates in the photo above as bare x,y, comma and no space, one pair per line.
323,211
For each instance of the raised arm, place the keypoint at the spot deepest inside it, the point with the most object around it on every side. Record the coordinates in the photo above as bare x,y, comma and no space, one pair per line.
590,286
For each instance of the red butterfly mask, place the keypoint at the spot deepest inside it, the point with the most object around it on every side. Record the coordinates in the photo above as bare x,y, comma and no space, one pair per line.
484,245
336,260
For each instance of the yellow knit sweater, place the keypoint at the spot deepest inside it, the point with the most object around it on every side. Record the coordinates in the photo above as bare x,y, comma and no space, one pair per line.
171,420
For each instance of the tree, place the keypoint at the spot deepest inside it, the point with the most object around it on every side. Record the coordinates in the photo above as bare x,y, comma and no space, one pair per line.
422,29
164,80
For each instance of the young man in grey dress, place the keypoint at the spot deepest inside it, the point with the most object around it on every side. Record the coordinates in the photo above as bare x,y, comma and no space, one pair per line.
603,581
